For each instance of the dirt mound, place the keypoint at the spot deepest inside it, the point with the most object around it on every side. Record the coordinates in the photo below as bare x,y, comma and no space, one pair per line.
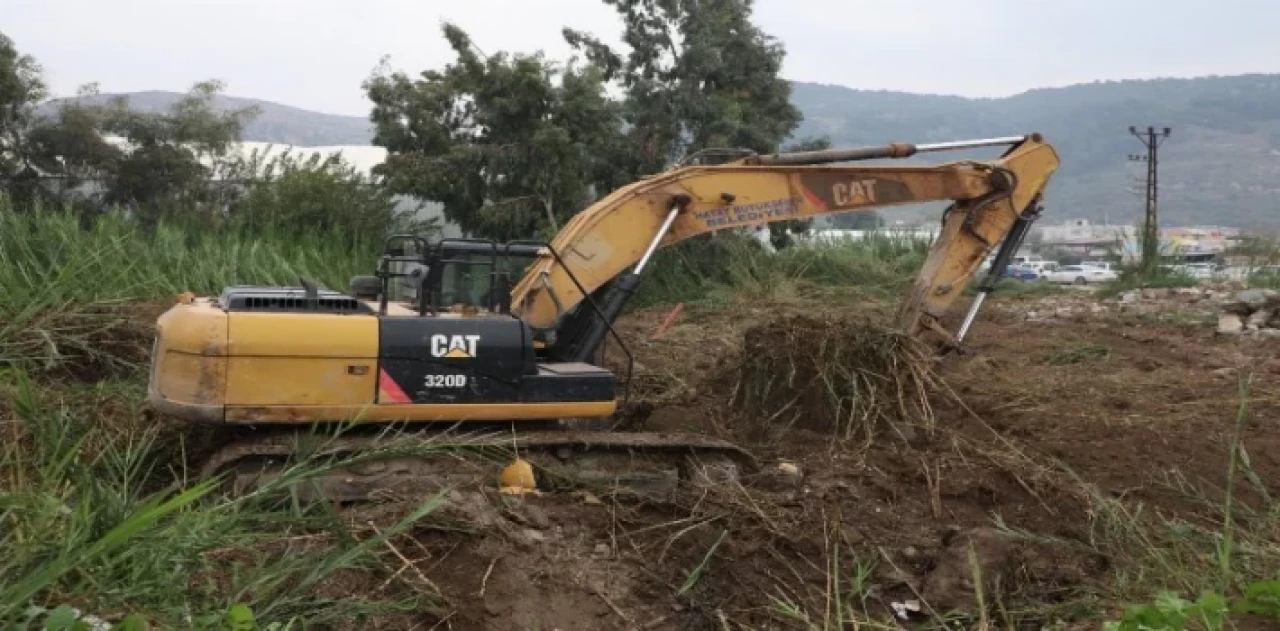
848,377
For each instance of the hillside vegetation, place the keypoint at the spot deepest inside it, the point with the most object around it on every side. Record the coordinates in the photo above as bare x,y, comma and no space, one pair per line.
1220,166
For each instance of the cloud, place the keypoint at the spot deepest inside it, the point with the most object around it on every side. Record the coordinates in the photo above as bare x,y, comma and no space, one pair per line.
315,53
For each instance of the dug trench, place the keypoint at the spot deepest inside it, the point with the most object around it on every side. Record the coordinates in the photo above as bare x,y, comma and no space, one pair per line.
1002,492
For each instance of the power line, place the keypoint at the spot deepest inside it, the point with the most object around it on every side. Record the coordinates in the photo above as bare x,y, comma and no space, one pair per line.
1151,227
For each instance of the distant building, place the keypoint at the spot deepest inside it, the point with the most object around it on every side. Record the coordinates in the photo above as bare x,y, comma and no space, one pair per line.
1084,237
1189,244
1080,236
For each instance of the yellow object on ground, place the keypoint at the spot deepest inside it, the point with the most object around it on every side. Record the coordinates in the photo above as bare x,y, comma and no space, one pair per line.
518,478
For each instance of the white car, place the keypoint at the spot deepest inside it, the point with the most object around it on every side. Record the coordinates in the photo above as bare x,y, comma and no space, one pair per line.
1080,275
1198,270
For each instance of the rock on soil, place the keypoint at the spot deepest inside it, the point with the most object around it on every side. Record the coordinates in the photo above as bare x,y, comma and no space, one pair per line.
1230,324
1253,312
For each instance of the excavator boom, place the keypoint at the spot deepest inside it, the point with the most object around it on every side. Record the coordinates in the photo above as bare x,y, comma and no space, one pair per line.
622,230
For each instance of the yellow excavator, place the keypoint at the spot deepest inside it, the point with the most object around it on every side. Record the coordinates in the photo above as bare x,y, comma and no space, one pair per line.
440,335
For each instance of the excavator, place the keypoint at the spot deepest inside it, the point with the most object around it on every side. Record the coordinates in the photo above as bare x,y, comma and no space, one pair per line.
449,339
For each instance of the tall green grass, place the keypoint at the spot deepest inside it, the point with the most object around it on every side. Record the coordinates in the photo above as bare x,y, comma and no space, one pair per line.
53,255
96,510
1134,277
711,270
1268,279
97,514
67,286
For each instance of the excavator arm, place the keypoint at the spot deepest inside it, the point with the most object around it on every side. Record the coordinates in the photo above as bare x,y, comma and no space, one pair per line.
991,200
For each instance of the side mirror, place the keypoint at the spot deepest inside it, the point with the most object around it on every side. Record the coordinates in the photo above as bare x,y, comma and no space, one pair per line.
415,276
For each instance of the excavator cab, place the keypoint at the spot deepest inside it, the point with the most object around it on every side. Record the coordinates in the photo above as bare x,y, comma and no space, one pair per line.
451,275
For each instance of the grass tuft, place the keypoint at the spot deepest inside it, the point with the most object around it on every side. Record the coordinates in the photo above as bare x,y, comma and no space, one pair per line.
836,375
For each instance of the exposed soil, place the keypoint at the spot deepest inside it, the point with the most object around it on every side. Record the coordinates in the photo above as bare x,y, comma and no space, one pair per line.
1055,406
1035,418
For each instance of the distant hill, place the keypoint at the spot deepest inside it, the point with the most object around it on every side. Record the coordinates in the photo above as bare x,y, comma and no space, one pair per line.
1220,166
275,123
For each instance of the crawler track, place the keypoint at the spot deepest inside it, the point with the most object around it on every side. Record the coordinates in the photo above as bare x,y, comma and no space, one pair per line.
362,466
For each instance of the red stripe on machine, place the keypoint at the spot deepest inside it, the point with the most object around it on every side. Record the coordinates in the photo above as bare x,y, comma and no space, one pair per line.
813,198
390,390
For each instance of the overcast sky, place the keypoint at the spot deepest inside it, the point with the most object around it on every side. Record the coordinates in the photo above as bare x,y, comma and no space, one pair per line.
315,53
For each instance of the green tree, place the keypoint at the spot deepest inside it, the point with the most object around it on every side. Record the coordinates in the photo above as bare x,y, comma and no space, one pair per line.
511,144
157,164
698,75
323,193
21,89
70,143
173,157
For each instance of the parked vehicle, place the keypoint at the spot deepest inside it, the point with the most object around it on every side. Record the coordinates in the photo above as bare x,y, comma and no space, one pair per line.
1040,267
1199,270
1080,275
1018,272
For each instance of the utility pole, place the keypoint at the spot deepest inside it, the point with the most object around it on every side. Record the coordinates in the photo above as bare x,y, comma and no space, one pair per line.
1151,226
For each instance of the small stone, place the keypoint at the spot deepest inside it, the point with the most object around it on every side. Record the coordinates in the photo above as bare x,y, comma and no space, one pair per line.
602,549
789,469
1270,334
1129,297
1255,298
1224,372
590,498
1230,324
1259,318
910,553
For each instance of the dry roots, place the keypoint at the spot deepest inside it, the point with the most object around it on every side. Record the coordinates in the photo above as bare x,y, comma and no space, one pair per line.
850,378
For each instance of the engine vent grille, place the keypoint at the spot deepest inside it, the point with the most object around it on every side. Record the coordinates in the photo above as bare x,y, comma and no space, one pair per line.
289,299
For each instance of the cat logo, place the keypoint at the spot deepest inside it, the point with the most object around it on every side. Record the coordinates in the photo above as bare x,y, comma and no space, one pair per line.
854,192
454,346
